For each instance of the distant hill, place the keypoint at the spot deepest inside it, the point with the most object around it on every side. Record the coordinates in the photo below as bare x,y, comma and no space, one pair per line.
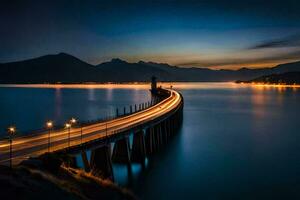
121,71
65,68
288,78
50,68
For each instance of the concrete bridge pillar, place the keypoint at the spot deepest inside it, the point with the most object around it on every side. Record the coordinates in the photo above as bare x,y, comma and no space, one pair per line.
171,127
158,136
150,141
155,136
173,122
121,152
101,163
167,124
86,164
138,153
165,132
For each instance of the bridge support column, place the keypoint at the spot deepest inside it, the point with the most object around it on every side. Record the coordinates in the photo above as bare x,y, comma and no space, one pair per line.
158,135
155,138
101,163
165,132
121,152
138,153
85,161
172,126
150,141
167,129
162,133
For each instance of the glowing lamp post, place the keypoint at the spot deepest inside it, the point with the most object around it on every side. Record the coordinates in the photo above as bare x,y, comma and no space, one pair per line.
73,120
11,130
49,125
68,126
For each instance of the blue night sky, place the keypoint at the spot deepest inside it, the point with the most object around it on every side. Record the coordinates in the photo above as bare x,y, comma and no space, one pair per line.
215,34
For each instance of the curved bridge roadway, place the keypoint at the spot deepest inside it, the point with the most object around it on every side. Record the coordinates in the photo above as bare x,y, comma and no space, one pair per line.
34,145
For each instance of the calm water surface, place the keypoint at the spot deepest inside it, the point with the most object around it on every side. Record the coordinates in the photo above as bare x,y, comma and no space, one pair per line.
236,142
30,108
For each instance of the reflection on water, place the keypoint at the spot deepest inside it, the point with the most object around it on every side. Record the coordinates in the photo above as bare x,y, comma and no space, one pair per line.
30,107
57,103
236,142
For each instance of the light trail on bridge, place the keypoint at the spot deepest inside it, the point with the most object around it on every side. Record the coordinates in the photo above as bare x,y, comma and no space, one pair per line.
34,145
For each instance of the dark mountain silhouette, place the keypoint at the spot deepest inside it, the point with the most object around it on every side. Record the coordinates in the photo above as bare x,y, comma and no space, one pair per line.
69,69
50,68
289,78
118,70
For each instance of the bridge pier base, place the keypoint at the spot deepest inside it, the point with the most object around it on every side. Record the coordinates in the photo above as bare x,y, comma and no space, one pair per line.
101,163
138,153
121,152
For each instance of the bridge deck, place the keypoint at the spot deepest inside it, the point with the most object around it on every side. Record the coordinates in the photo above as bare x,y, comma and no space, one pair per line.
34,145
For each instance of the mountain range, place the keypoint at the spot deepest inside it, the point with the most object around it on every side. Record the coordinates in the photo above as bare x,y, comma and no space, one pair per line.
65,68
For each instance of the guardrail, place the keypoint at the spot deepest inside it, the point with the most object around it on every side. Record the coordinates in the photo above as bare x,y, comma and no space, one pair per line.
79,139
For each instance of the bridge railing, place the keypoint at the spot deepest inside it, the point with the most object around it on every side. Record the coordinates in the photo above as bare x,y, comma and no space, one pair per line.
78,139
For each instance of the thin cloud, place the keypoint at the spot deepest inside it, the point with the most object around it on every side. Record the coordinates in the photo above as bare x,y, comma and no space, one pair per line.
280,58
290,41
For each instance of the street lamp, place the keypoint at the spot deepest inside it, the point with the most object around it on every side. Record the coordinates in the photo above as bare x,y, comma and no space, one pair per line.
73,120
11,130
49,125
68,126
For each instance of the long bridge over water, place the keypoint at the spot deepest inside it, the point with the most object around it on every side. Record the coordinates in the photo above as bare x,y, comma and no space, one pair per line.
151,129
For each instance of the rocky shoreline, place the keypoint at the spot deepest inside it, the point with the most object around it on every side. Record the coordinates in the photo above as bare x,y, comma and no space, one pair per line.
51,176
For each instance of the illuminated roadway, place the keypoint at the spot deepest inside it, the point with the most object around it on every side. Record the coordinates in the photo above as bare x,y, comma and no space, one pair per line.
37,144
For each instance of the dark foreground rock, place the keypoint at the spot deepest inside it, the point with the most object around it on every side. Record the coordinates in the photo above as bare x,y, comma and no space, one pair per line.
51,177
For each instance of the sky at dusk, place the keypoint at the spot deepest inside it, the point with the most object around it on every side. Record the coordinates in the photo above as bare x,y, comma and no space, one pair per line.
215,34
